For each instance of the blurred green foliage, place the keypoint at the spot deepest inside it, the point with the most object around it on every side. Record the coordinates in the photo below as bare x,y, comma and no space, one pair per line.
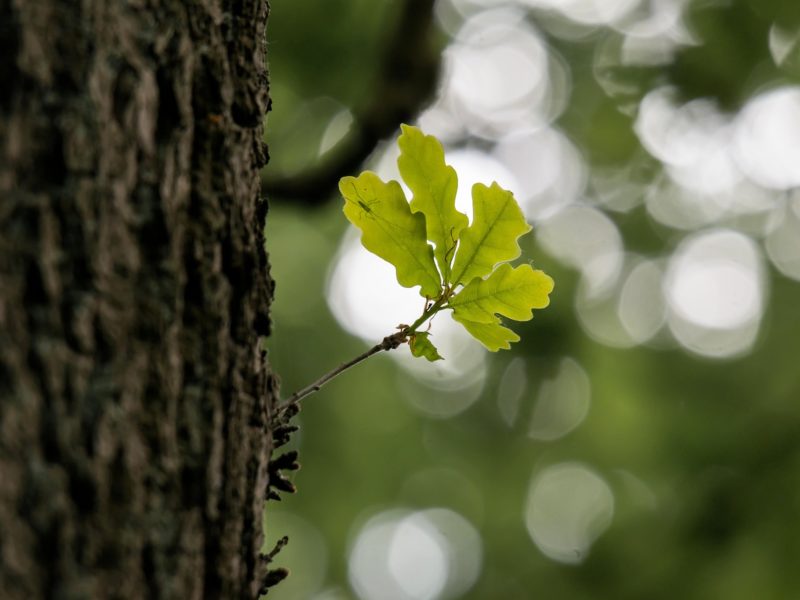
701,454
318,69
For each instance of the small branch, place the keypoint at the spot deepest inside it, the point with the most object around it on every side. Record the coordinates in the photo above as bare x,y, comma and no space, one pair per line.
390,342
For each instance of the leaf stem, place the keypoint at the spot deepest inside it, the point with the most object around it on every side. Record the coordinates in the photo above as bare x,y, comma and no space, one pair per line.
390,342
432,310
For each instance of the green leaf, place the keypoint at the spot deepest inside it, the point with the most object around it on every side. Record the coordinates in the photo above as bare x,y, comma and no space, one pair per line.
497,222
433,184
508,291
421,346
492,335
390,230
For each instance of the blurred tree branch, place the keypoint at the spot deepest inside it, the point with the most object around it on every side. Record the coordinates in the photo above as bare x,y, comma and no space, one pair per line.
406,80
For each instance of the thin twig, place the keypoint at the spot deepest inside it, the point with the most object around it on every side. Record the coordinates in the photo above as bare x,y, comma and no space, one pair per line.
390,342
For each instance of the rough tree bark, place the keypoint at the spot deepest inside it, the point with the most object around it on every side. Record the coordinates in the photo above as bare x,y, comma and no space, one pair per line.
134,401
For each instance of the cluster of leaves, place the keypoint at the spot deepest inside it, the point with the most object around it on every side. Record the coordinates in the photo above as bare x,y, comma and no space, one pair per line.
457,265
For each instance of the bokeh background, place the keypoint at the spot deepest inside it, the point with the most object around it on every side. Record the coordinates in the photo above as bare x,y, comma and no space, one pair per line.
642,441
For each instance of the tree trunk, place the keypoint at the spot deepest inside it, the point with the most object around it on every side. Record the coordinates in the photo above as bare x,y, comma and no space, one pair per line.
134,287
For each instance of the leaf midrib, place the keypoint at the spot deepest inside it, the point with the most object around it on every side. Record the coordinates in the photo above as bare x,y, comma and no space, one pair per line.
480,243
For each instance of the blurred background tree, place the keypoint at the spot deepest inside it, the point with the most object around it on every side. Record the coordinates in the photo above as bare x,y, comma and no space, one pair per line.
643,439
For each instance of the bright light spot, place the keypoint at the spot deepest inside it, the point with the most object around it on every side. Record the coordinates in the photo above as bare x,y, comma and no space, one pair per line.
464,548
615,55
303,128
475,166
550,170
450,15
562,404
651,35
456,382
714,343
768,138
585,239
438,120
714,280
446,396
715,289
619,189
781,42
499,87
599,318
364,296
417,559
653,19
369,571
424,555
642,310
509,392
588,12
682,208
783,244
647,51
627,313
499,74
384,164
704,182
715,293
693,141
337,128
568,507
